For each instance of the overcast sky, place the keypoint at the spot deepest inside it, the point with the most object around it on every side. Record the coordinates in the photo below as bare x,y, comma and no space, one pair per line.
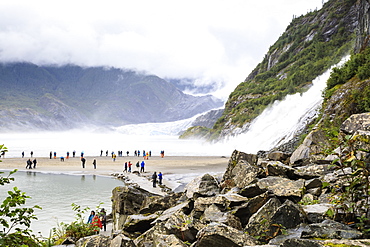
213,41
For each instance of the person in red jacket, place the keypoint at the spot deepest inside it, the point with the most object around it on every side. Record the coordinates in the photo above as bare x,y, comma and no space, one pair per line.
96,222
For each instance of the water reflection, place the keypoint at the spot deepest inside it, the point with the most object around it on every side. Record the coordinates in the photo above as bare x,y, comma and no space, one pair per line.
55,194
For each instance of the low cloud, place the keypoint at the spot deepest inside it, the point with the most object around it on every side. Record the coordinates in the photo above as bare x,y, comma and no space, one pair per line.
216,42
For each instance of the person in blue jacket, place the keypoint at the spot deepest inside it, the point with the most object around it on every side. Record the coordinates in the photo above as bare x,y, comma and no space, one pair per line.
91,216
160,176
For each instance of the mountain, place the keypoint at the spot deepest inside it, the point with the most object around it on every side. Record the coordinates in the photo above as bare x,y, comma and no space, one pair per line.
52,97
310,45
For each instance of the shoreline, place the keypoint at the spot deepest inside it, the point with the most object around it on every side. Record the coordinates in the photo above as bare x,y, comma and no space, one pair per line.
176,170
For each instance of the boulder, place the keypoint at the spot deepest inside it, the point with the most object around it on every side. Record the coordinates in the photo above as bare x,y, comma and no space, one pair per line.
260,222
220,235
183,226
94,241
139,223
313,183
356,122
251,191
246,210
316,213
200,204
122,241
161,203
276,168
283,187
331,229
273,217
313,144
128,200
146,239
278,156
241,170
183,207
214,214
203,186
171,240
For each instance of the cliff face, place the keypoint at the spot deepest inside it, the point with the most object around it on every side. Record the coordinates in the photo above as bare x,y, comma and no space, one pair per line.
363,27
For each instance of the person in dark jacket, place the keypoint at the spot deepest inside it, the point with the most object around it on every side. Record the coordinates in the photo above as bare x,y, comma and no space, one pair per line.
154,177
83,160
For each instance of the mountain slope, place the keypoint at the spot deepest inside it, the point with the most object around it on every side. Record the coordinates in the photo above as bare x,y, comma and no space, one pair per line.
310,45
69,96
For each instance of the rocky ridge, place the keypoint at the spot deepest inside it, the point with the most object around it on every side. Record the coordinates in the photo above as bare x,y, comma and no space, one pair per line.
271,199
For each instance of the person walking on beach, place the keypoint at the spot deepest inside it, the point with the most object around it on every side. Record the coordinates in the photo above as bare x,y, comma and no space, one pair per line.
103,218
55,155
138,166
29,164
101,153
160,176
114,156
34,163
142,166
23,154
31,154
67,155
91,216
129,166
94,163
154,177
51,154
74,153
83,160
125,170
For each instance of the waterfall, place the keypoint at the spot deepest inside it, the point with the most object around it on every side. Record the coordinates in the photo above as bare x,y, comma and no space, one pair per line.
278,123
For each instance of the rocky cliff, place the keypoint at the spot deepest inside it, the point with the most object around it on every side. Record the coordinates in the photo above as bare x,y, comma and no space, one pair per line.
47,97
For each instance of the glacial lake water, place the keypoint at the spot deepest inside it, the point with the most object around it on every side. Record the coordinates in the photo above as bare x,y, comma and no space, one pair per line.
56,192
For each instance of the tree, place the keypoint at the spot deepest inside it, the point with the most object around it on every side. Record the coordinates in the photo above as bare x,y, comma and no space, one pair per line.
15,219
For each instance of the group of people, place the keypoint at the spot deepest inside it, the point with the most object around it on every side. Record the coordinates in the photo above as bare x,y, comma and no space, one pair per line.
99,221
30,163
54,155
156,176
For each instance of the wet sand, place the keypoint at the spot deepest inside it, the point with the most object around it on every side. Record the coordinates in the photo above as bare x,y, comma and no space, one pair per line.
176,169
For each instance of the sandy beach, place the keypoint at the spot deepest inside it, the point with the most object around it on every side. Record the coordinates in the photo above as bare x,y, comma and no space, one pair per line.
176,170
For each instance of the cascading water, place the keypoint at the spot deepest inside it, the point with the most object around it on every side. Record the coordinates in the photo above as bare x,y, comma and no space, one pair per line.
278,123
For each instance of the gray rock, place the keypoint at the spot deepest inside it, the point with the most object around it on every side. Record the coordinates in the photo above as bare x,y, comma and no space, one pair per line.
316,213
278,156
252,191
276,168
128,200
214,214
356,122
220,235
283,187
203,186
171,240
260,222
246,210
94,241
122,241
139,223
241,170
331,229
